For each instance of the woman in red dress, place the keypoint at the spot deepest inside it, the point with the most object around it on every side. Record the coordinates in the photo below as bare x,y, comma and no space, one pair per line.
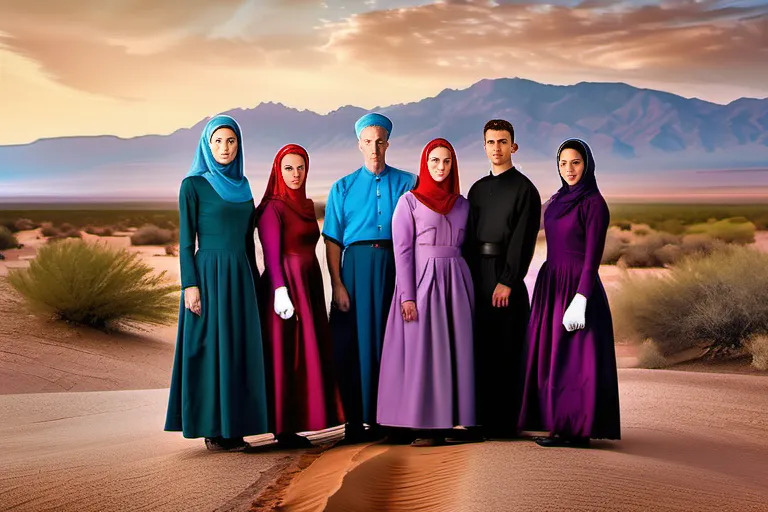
302,390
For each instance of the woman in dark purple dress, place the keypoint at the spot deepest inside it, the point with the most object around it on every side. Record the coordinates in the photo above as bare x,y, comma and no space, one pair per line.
571,384
303,395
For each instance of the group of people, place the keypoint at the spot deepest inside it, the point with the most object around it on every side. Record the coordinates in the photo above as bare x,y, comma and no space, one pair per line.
431,337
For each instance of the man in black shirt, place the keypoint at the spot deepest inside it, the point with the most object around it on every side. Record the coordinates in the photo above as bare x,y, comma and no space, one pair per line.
505,210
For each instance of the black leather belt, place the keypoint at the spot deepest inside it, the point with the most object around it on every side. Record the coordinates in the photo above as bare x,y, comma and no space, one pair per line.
487,249
378,244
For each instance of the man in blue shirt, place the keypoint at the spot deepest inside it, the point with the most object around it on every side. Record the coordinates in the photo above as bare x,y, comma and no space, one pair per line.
358,229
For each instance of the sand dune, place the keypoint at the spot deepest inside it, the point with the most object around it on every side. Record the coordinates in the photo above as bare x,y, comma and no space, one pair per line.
692,442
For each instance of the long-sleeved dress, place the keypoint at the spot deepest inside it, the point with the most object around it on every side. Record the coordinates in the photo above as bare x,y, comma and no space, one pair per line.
427,377
218,387
571,386
302,387
505,212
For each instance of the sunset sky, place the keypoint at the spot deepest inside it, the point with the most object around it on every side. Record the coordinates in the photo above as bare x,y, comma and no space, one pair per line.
133,67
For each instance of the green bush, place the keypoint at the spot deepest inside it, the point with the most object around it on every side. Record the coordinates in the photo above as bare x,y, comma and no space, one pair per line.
7,239
727,230
92,284
150,234
719,300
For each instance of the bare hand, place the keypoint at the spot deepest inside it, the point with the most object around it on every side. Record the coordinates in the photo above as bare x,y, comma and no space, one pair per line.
192,300
408,310
341,298
500,297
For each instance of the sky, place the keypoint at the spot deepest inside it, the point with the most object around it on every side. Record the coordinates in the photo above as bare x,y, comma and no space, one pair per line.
136,67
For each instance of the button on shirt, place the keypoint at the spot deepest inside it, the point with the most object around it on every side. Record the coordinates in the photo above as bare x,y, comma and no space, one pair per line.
360,205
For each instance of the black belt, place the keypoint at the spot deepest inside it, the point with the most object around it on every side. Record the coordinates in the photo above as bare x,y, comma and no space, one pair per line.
487,249
378,244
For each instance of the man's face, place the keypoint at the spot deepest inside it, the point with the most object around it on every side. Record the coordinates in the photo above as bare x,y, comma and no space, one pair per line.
373,144
499,147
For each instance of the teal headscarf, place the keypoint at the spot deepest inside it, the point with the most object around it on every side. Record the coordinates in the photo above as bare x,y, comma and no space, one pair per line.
227,180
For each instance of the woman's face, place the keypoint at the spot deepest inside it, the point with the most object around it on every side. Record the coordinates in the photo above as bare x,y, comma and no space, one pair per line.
294,171
439,163
571,166
224,145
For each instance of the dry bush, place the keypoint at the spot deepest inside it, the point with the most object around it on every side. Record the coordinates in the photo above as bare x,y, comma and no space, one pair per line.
731,231
171,250
672,226
641,229
623,225
24,225
100,231
719,300
150,234
7,239
669,254
93,284
48,229
643,252
614,246
757,345
650,356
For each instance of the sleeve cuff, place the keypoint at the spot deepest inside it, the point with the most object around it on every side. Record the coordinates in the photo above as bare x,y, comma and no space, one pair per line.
333,240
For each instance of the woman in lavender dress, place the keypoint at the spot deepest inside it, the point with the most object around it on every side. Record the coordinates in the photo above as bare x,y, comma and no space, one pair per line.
427,367
571,385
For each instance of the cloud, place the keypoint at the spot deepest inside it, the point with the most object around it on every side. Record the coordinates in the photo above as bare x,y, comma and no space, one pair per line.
682,41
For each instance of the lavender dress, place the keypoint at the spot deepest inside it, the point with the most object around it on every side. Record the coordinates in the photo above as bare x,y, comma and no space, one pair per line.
427,368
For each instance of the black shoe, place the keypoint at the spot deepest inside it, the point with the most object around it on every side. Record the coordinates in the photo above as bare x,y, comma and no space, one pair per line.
422,442
223,444
290,441
354,433
564,442
465,435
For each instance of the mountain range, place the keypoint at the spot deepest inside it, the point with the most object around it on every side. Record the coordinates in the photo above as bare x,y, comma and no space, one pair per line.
636,134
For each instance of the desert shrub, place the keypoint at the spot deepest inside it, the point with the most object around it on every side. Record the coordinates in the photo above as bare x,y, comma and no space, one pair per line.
171,250
614,246
672,226
24,225
727,231
92,284
669,254
150,234
643,252
623,225
719,299
319,210
48,229
650,356
100,231
7,239
699,244
641,229
757,345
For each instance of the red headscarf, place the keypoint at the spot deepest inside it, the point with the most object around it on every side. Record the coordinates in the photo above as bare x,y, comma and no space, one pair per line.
441,196
277,189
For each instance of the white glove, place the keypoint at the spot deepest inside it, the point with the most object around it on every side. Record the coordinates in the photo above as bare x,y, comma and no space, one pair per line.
283,304
573,318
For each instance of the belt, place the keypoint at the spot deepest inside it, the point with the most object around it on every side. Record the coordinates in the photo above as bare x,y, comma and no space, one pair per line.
378,244
487,249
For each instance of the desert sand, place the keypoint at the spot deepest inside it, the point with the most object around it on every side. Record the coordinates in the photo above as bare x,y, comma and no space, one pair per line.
691,442
81,415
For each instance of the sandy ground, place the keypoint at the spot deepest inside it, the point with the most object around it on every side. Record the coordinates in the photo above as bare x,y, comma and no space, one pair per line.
691,442
81,416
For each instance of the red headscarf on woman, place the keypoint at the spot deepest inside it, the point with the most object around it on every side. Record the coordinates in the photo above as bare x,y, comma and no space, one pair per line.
279,191
441,196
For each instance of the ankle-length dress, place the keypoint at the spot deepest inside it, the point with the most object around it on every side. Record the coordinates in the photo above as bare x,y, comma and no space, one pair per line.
571,384
427,378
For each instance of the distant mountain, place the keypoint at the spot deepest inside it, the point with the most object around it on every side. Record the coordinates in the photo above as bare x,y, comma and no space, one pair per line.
630,129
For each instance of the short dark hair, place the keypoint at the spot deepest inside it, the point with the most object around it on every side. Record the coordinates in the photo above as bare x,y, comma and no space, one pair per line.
500,124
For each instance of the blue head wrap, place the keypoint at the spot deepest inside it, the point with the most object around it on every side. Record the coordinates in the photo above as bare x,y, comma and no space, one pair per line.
227,180
373,119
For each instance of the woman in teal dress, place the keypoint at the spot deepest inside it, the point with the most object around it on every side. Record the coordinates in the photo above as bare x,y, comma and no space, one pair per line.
218,386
